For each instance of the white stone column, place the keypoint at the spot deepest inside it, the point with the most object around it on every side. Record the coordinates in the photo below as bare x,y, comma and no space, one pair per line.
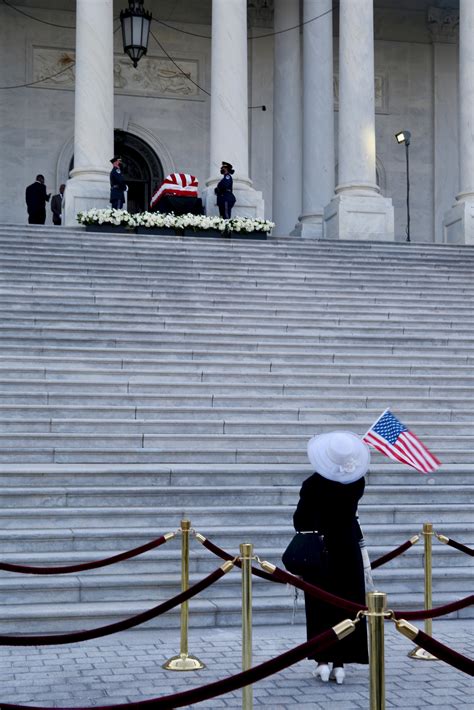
358,211
458,225
287,125
88,185
318,116
229,129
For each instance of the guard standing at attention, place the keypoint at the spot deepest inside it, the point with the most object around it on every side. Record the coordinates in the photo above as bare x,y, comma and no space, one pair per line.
223,190
118,186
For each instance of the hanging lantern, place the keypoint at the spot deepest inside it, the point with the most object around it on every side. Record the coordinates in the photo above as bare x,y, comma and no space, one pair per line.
135,21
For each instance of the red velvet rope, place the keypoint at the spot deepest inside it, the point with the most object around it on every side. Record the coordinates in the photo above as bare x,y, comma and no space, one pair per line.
390,555
435,611
460,546
317,644
75,636
65,569
219,552
319,593
314,591
444,653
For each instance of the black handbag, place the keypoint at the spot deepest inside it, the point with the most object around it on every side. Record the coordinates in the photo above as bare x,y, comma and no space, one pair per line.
306,555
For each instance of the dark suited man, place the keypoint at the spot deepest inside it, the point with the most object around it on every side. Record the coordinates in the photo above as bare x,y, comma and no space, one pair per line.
36,199
57,205
118,186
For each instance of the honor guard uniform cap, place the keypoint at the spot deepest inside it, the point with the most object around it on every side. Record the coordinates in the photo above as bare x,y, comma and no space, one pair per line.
228,166
117,157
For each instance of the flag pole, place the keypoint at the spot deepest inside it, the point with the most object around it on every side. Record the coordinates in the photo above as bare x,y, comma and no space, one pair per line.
378,418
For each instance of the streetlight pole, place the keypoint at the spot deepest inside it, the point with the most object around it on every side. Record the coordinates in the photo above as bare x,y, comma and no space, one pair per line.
404,137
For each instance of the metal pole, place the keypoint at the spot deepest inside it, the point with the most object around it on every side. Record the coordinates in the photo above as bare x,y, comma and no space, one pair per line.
407,143
377,606
184,662
246,556
420,653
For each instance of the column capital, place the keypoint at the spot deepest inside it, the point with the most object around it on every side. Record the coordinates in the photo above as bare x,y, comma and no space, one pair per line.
443,24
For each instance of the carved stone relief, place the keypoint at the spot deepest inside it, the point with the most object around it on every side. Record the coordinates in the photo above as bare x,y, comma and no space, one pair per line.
155,76
443,24
260,13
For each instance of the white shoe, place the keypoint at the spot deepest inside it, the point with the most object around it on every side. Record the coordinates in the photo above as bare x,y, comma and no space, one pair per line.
322,671
338,674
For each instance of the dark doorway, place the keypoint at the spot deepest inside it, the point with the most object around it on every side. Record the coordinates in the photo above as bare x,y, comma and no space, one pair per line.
142,169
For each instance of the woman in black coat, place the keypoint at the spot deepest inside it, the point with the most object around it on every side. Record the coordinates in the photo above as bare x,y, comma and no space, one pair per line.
328,504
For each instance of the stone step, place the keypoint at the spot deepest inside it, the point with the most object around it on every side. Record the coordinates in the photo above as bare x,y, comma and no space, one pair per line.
271,253
275,537
322,352
263,257
50,507
161,304
199,424
182,440
62,618
299,295
32,306
384,472
27,365
144,402
157,587
15,417
116,455
214,371
167,559
142,387
170,333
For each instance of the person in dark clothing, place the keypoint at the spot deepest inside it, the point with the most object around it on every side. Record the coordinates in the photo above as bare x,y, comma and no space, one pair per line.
57,205
223,190
328,504
118,186
36,198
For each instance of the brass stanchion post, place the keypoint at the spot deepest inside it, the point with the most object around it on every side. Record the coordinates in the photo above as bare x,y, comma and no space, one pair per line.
184,662
377,607
420,653
246,556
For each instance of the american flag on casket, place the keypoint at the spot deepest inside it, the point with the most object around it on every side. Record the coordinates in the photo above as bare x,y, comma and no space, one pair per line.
181,184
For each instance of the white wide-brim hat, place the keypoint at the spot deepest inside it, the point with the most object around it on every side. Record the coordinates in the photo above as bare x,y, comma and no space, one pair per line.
339,456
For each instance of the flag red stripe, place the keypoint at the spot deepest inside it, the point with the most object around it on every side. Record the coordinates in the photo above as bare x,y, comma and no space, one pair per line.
429,457
384,447
405,446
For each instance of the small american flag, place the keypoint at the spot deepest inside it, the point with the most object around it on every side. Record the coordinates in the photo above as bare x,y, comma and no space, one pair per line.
389,436
181,184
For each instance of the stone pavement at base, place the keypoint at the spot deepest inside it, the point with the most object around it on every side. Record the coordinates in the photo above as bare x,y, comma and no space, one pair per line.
127,667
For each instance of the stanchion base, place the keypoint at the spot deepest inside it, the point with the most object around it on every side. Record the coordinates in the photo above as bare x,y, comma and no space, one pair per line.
183,662
421,655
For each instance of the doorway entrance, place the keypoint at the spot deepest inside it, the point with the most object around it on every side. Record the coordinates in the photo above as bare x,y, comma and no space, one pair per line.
141,168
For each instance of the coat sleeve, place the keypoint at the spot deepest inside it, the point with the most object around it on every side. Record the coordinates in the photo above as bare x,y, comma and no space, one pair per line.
303,518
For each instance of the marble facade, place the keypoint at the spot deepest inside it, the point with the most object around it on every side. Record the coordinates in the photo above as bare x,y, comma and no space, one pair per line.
297,162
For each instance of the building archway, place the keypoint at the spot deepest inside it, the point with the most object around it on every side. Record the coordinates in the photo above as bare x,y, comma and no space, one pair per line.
142,169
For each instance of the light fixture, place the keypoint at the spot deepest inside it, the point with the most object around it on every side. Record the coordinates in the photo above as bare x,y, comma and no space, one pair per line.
135,21
404,137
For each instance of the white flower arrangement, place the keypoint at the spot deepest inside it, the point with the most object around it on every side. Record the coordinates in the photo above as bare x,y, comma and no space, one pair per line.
107,216
196,222
199,222
247,224
155,220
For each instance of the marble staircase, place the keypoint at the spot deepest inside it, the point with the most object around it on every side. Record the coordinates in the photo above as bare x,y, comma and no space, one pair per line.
143,380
